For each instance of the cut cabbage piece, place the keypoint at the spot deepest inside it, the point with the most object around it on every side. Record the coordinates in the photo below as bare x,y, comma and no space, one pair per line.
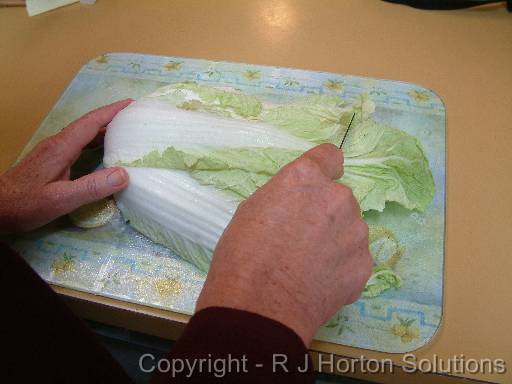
93,215
380,281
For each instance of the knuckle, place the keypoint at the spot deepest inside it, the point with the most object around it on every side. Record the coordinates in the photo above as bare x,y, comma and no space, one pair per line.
306,167
48,197
328,152
364,269
86,117
298,170
92,188
363,230
327,149
367,268
361,236
92,117
44,204
352,199
368,262
287,171
342,190
241,207
345,196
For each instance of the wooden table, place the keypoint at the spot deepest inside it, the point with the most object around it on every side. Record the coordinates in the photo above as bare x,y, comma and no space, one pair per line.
464,56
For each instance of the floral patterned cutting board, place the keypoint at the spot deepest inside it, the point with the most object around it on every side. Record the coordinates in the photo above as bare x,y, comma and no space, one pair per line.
103,255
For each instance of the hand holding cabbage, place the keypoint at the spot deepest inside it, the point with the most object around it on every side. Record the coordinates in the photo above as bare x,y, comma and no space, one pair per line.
296,251
39,189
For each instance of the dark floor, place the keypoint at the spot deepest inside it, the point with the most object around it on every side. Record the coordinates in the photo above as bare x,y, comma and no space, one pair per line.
127,347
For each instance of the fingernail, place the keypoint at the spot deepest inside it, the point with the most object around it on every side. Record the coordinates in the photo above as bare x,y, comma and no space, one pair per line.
117,178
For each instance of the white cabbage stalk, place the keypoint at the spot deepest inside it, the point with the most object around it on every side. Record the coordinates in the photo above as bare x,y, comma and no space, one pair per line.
151,124
173,209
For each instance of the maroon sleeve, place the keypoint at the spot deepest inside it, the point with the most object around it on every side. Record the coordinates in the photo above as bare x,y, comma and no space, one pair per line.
232,346
42,340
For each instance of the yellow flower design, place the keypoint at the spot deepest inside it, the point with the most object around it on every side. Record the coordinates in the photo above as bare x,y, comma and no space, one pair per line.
252,75
419,95
291,83
168,287
103,59
387,250
333,85
405,330
63,264
173,65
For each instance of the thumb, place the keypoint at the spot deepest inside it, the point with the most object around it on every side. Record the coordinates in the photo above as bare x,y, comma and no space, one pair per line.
70,195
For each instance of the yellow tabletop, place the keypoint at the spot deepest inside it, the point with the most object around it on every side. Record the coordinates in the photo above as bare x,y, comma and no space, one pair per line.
464,56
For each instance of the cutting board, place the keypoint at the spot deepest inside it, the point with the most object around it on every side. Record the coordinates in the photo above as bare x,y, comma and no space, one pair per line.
116,261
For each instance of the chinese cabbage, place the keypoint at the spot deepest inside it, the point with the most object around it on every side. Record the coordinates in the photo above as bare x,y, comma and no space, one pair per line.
194,153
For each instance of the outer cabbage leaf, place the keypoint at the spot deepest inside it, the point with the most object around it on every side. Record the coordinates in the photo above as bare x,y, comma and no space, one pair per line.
194,97
238,171
318,119
395,169
381,163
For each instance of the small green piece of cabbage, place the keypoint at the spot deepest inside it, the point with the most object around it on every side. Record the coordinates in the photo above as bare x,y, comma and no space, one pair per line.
381,280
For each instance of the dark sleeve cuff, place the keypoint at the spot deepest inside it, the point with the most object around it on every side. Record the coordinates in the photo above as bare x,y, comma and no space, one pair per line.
44,341
232,346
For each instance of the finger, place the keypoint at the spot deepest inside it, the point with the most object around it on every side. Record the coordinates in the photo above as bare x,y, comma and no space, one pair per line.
345,196
328,157
84,130
54,154
70,195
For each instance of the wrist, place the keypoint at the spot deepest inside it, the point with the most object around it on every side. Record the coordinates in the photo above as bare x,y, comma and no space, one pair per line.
274,304
5,215
10,205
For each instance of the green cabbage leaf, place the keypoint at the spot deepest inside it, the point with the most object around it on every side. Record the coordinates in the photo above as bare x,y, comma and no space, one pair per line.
381,280
194,97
